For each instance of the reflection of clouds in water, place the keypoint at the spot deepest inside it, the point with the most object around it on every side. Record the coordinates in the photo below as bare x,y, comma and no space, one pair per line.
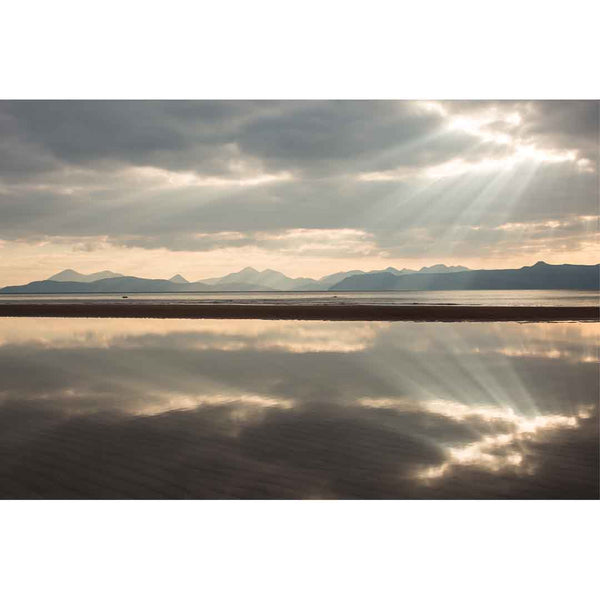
572,342
202,334
504,450
332,409
495,451
551,374
169,402
72,401
582,356
149,359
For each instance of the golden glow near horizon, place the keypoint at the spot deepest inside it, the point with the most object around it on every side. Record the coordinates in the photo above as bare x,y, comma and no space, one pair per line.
24,262
306,189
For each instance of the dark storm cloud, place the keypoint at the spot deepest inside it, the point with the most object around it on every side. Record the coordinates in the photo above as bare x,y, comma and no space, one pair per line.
170,134
322,136
159,217
102,168
327,138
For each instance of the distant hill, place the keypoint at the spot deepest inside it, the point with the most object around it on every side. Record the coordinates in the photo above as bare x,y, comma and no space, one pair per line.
178,279
70,275
325,283
367,282
241,287
110,285
442,269
249,278
540,276
438,277
395,271
118,285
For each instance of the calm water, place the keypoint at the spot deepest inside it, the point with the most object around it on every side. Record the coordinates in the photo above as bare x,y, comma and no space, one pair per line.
473,297
142,408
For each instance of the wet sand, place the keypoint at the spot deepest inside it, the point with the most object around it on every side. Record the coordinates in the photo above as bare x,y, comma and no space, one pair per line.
354,312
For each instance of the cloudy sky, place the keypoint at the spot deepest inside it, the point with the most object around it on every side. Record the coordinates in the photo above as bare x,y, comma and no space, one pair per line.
204,188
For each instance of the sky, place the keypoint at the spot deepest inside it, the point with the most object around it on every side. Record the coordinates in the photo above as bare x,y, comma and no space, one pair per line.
204,188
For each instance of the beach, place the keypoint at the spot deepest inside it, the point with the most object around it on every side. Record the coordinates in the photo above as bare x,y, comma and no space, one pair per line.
280,409
339,312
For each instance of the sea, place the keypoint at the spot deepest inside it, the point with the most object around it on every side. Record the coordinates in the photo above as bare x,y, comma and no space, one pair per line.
467,297
259,409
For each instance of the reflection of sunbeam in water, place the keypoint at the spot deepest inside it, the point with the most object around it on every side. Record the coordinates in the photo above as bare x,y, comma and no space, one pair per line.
420,410
455,370
461,382
492,452
502,386
497,451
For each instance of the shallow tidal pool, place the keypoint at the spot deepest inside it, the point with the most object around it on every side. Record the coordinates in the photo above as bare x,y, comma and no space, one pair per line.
150,408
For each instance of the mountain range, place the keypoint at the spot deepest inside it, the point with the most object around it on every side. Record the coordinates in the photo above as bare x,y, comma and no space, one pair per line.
540,276
437,277
70,275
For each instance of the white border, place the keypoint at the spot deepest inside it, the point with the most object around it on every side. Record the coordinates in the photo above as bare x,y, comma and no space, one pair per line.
299,49
312,549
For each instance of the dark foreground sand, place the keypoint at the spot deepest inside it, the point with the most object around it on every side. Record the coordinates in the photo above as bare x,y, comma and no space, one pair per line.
354,312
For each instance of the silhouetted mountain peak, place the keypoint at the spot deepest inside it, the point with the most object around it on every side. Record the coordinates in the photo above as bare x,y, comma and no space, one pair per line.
64,273
441,268
71,275
540,276
178,279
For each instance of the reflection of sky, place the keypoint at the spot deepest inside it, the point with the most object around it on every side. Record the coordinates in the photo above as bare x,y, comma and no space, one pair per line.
184,408
501,449
306,336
